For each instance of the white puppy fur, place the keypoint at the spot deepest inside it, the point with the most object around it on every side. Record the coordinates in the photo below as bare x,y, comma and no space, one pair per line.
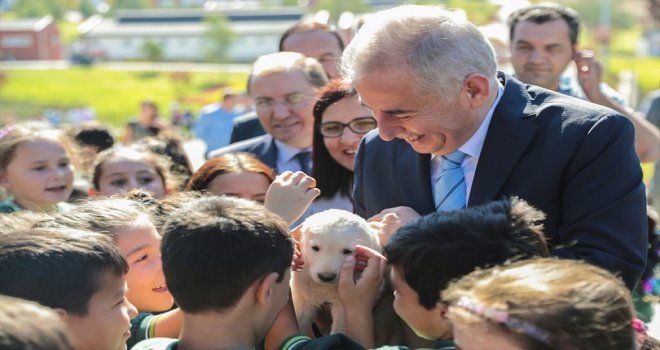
326,238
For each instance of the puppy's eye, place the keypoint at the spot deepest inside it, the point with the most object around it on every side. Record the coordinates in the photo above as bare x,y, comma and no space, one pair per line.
315,248
347,251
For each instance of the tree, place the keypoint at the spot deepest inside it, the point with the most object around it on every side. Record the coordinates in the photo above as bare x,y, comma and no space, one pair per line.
217,38
31,9
86,8
152,51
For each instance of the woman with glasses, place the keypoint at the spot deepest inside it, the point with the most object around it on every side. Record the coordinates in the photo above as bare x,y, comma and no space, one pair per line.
340,124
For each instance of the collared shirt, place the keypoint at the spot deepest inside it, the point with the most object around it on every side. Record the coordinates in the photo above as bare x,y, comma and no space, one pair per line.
472,148
214,127
286,157
570,86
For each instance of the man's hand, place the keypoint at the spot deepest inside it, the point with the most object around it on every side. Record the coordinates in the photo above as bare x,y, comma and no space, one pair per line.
389,220
590,75
291,194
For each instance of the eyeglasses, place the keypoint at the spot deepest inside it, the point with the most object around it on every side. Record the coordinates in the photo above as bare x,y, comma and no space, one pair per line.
264,103
360,125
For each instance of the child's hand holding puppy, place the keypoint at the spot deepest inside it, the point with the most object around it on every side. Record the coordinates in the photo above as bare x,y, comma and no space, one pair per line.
358,294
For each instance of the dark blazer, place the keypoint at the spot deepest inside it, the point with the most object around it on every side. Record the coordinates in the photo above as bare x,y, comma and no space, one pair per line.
263,147
570,158
246,126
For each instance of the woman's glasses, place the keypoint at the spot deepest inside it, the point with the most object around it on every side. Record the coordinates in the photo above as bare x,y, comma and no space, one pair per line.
360,125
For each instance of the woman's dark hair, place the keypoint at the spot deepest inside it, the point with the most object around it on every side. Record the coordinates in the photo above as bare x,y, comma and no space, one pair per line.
331,177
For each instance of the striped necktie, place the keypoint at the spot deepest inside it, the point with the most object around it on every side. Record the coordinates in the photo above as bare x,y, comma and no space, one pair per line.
449,187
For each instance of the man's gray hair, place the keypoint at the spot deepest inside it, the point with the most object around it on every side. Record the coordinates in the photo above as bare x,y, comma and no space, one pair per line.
289,61
440,47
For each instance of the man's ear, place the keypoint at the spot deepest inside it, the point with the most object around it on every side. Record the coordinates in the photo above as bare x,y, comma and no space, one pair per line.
264,289
477,90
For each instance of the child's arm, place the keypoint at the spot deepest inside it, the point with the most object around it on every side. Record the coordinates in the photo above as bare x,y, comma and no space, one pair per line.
290,195
358,296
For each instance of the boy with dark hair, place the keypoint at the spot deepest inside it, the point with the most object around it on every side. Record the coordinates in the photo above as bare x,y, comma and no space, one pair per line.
79,274
433,250
28,325
227,262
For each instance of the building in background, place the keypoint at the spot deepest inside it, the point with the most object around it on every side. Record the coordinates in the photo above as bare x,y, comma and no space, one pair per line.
180,32
30,39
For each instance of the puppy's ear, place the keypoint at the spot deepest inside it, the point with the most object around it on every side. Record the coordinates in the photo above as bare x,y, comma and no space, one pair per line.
296,233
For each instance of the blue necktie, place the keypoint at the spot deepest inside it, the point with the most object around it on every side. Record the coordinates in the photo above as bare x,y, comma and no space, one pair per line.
303,159
449,188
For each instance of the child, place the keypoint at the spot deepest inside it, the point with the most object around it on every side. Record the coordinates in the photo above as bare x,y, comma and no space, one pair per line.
235,174
428,253
212,241
133,232
541,304
243,175
28,325
79,274
35,168
121,169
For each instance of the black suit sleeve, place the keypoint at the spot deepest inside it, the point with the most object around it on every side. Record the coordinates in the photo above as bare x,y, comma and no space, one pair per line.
358,188
603,211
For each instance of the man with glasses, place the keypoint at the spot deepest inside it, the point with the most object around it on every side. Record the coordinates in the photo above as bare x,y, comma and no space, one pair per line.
283,86
311,39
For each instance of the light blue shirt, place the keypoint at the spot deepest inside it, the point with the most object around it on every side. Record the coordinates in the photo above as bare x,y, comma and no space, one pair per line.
214,127
472,149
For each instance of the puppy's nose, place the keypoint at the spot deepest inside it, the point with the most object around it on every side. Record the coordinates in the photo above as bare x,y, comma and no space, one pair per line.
327,277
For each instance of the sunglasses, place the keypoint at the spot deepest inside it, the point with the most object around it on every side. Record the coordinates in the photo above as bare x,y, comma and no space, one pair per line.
360,125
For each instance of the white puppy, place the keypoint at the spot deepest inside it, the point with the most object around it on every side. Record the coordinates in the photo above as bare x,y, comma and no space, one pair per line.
326,238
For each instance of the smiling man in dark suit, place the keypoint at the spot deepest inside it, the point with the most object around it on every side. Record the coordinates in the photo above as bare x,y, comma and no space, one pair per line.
454,132
283,86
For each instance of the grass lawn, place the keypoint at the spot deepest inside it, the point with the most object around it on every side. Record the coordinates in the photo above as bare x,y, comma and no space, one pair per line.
646,69
115,95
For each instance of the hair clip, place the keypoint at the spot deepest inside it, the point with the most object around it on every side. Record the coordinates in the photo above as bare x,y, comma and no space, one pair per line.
639,326
503,317
6,130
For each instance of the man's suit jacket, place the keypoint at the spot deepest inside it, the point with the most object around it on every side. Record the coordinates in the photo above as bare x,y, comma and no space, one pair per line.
570,158
263,147
246,126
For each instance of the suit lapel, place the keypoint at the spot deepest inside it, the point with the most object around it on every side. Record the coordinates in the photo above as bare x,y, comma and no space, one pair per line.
506,140
270,155
419,168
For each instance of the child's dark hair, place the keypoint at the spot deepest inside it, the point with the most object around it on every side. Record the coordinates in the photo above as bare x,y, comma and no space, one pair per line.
172,148
440,247
228,163
95,135
59,268
216,247
28,325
